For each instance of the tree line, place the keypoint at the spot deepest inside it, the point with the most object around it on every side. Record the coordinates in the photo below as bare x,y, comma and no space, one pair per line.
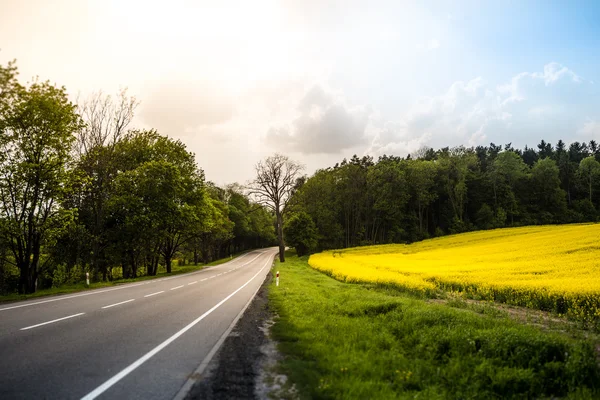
82,192
437,192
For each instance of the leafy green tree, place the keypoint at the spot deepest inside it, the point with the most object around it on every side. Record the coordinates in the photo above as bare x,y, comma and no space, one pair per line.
421,180
158,200
37,131
455,166
319,197
301,233
547,196
387,188
589,169
508,169
99,157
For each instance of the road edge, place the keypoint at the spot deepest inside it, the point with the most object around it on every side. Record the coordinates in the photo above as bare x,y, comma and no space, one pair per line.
196,376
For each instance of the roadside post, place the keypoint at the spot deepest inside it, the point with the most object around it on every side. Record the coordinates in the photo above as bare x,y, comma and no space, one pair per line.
277,279
87,278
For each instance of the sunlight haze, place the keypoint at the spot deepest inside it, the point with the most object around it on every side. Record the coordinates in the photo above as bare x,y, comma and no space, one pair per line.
320,81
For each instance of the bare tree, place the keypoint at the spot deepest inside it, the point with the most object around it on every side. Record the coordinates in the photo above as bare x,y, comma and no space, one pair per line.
273,186
106,119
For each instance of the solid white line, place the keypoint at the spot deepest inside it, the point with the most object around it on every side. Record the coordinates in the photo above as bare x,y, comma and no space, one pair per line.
187,386
49,322
116,304
176,287
120,287
109,383
191,283
152,294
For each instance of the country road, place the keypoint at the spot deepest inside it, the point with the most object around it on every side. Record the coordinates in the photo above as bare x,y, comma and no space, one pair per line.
136,341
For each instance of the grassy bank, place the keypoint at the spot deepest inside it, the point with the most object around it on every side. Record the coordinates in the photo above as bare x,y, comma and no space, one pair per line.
81,286
357,341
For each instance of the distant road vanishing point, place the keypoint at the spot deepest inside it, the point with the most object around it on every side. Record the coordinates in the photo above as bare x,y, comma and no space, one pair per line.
136,341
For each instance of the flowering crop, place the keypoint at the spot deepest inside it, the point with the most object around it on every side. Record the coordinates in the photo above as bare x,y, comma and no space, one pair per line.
552,268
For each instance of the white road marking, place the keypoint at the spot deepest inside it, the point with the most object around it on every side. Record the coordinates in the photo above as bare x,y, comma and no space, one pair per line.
118,288
191,283
176,287
71,297
210,277
153,294
54,320
117,304
187,386
109,383
202,280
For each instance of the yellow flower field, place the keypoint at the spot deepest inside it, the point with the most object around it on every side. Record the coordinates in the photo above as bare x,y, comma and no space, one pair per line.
554,268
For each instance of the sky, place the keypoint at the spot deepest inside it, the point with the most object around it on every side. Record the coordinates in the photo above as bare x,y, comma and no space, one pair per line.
319,81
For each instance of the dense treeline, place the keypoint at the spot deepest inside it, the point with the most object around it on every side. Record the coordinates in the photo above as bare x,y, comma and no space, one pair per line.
80,192
451,190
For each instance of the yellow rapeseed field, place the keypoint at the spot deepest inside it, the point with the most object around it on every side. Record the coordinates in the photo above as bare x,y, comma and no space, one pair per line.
554,268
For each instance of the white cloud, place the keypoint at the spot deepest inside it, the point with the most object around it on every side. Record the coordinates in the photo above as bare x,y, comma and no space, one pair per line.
531,106
590,129
324,124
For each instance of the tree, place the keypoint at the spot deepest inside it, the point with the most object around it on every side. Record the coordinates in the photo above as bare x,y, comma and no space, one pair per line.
506,172
37,129
107,119
455,166
388,195
589,169
273,186
548,198
301,233
157,199
319,198
420,177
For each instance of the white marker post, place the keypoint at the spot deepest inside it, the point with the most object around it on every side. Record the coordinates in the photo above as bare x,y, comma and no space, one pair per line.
87,278
277,279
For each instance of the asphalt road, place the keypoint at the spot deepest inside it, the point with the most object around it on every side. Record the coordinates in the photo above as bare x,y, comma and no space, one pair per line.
135,341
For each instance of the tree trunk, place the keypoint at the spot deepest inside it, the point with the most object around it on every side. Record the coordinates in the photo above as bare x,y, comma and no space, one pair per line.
280,237
22,279
168,264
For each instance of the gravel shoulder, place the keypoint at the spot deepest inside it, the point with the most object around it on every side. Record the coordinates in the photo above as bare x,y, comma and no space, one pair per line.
242,368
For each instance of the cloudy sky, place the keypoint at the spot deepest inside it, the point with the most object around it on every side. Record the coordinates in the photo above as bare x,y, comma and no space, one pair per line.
322,80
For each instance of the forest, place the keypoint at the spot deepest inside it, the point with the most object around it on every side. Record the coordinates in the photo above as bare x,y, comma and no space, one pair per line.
82,192
450,190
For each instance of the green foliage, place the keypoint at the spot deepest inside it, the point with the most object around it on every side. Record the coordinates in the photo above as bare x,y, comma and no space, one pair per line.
301,233
119,204
37,124
358,341
451,190
548,198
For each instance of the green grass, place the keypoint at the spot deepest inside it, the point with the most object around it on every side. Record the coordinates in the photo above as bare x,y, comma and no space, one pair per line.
350,341
79,287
